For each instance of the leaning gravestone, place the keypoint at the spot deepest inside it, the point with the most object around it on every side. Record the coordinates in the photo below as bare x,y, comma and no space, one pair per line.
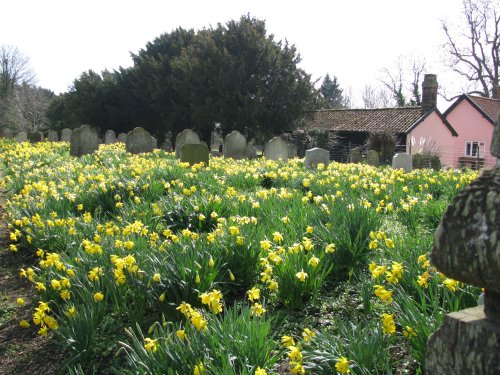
66,135
373,158
52,136
193,153
315,156
84,140
235,145
22,137
467,248
122,137
187,136
139,141
403,161
276,149
110,137
355,156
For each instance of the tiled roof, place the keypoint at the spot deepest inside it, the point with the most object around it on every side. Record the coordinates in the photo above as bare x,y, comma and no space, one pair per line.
489,106
393,120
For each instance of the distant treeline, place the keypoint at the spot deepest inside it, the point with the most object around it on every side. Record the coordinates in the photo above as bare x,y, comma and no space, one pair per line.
235,75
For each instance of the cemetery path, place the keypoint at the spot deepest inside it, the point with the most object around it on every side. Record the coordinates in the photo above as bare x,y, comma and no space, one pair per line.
22,351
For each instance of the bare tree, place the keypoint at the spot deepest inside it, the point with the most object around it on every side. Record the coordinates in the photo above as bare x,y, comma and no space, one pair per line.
402,80
14,69
376,97
472,50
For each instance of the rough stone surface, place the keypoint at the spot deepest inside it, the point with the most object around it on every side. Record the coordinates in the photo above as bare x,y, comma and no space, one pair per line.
22,137
373,158
235,145
193,153
187,136
122,137
139,141
355,156
251,151
466,343
292,151
315,156
276,149
155,142
110,137
66,135
495,143
403,161
467,241
52,136
84,140
6,133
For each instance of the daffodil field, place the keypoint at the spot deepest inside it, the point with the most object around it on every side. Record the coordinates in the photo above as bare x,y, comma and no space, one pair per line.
144,265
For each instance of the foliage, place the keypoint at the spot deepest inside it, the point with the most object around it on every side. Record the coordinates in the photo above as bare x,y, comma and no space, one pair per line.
331,93
384,143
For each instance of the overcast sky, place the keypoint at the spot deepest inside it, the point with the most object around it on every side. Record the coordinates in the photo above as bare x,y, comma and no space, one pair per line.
352,40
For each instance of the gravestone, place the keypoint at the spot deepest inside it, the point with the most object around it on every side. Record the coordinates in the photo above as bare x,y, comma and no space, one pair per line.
122,137
251,151
52,136
373,158
403,161
139,141
35,137
6,133
292,150
66,135
84,140
315,156
187,136
276,149
22,137
110,137
466,248
355,155
155,142
167,145
235,145
194,153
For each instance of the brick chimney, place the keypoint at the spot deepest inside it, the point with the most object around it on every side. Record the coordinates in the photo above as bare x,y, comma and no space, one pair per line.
429,92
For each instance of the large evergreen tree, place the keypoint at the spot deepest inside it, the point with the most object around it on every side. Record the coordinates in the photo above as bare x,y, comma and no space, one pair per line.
331,94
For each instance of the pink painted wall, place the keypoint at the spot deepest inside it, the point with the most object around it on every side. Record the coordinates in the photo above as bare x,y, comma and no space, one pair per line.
471,126
433,135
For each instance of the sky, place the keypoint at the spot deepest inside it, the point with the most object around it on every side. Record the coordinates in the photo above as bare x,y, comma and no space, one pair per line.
352,40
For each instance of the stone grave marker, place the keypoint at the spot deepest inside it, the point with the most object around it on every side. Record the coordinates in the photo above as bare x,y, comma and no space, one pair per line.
194,153
154,142
6,133
139,141
276,149
251,151
466,248
402,161
52,136
292,150
122,137
22,137
84,140
35,137
66,135
187,136
315,156
167,145
235,145
373,158
110,137
355,155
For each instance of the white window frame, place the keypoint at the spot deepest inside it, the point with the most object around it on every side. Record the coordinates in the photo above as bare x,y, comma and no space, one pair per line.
480,149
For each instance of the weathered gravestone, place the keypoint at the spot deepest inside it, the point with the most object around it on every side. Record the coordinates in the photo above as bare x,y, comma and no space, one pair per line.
315,156
66,135
6,133
22,137
110,137
235,145
193,153
155,142
292,150
35,137
122,137
166,145
276,149
52,136
355,155
138,141
373,158
84,140
187,136
403,161
467,248
251,151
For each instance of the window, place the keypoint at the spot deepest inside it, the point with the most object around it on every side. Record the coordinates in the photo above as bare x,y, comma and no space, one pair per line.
474,149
